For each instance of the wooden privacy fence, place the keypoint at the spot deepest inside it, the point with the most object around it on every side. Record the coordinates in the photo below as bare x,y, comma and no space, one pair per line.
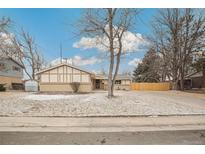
163,86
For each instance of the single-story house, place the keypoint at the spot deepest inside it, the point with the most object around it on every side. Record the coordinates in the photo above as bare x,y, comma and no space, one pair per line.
195,80
11,73
122,82
65,77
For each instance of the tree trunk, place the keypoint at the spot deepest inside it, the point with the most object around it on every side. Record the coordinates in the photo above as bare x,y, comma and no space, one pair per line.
175,80
33,73
203,82
110,88
175,85
182,79
182,84
110,94
116,72
117,63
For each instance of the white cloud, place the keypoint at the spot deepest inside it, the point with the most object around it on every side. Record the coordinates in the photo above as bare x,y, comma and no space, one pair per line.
88,43
131,42
6,39
77,61
58,61
135,62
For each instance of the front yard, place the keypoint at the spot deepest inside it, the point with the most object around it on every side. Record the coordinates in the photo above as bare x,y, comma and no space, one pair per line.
133,103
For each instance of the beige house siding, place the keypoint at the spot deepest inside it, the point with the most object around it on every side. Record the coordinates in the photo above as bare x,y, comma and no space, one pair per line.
125,85
64,87
9,80
85,87
61,78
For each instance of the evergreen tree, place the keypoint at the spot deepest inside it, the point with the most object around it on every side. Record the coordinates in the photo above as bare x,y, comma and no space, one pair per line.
148,69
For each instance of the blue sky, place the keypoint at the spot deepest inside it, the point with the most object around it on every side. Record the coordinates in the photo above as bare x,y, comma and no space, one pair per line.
50,27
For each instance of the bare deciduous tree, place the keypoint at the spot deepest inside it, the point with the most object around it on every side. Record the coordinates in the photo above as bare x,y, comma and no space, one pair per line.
110,24
31,59
5,46
178,34
4,24
22,49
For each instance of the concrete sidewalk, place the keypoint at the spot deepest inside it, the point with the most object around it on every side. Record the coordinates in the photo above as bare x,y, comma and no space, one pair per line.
101,124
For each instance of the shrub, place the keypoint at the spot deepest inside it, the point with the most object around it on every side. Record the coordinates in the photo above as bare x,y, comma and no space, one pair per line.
75,86
2,88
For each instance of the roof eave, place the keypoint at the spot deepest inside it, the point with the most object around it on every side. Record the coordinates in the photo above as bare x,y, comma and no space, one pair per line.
63,64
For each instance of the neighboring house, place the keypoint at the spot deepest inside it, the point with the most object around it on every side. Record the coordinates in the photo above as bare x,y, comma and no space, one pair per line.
62,77
11,73
195,80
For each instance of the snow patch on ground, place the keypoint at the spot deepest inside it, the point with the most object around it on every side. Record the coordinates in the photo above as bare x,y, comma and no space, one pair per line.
47,97
125,103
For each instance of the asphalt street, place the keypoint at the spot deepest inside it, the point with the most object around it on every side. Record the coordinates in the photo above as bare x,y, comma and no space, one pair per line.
104,138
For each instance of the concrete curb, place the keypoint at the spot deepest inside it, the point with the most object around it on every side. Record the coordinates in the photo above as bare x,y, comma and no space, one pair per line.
108,116
101,124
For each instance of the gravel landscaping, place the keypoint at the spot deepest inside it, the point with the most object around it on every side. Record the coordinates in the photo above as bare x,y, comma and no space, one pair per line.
125,103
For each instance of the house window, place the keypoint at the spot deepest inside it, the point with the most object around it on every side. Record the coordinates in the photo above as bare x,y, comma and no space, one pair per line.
2,66
118,82
16,68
